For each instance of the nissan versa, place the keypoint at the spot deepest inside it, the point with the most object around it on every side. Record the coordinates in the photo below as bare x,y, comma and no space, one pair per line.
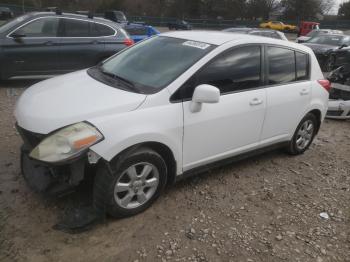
165,108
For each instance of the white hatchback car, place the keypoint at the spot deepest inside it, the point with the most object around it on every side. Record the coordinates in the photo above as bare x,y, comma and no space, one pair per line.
165,108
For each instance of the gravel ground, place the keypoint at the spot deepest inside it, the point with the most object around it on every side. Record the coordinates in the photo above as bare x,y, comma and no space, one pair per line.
262,209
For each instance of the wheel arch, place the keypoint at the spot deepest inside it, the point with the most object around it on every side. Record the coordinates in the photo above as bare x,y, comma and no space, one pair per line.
317,113
162,149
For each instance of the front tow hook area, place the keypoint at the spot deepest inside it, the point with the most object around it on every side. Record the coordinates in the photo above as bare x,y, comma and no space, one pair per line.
55,182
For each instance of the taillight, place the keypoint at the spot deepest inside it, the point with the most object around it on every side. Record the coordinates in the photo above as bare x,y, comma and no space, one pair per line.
326,84
128,42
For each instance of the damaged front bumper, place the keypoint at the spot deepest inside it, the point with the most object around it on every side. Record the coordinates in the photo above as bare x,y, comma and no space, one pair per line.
339,102
50,179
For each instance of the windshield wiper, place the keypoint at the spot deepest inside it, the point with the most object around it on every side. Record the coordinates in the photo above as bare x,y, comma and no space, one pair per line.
126,81
130,84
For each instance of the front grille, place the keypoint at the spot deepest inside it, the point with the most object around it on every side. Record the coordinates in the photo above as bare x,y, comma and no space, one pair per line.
335,112
30,139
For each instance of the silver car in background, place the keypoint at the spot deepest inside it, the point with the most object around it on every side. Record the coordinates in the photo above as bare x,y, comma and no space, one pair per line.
257,31
316,32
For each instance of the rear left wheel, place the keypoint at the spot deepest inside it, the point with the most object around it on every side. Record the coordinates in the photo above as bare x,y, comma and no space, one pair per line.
303,135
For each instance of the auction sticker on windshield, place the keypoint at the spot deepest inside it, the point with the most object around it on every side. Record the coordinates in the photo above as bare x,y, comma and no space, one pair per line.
196,44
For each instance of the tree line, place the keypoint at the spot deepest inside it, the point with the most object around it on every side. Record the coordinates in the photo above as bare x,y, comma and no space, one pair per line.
214,9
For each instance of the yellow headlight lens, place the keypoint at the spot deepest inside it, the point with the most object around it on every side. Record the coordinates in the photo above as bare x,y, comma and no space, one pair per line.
66,143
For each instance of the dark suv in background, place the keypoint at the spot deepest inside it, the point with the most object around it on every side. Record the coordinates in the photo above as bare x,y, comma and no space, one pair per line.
46,43
5,13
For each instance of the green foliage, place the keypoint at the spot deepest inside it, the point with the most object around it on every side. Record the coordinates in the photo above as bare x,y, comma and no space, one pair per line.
305,9
344,10
226,9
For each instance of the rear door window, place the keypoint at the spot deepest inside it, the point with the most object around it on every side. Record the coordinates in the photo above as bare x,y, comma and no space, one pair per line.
76,28
43,27
281,65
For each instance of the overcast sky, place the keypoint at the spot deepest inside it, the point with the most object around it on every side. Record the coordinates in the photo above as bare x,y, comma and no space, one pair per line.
336,6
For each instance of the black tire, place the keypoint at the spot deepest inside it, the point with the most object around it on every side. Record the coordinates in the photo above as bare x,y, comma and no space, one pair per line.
293,147
108,175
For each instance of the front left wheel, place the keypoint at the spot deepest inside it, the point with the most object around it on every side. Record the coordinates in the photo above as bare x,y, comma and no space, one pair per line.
130,184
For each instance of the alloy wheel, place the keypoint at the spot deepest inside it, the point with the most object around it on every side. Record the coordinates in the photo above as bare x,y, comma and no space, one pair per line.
304,135
137,184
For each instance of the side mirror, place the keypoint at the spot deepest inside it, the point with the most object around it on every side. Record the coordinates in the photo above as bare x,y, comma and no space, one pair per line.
204,94
342,46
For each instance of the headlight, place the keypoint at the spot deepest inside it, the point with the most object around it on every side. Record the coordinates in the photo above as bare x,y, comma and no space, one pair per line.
67,143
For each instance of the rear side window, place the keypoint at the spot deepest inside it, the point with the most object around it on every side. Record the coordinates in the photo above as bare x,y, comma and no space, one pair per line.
44,27
281,65
100,30
76,28
302,66
285,65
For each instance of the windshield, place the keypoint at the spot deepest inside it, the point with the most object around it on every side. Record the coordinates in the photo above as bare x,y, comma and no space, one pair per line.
153,64
334,40
11,23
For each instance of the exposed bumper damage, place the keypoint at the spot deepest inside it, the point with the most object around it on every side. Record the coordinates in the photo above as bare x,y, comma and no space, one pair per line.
47,178
339,102
56,180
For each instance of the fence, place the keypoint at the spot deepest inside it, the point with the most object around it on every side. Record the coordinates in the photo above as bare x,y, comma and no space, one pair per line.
219,24
198,23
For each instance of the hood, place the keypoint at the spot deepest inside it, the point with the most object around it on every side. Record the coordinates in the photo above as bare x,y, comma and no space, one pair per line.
320,49
68,99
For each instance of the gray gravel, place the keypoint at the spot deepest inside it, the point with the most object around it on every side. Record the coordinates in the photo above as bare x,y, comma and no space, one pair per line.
262,209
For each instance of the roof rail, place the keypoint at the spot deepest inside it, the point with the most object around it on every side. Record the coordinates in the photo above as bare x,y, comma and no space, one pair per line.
89,14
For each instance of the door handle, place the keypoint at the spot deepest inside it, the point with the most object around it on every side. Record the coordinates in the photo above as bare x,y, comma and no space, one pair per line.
255,102
304,92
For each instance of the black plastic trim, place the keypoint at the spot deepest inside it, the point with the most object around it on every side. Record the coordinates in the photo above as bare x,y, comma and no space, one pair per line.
229,160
